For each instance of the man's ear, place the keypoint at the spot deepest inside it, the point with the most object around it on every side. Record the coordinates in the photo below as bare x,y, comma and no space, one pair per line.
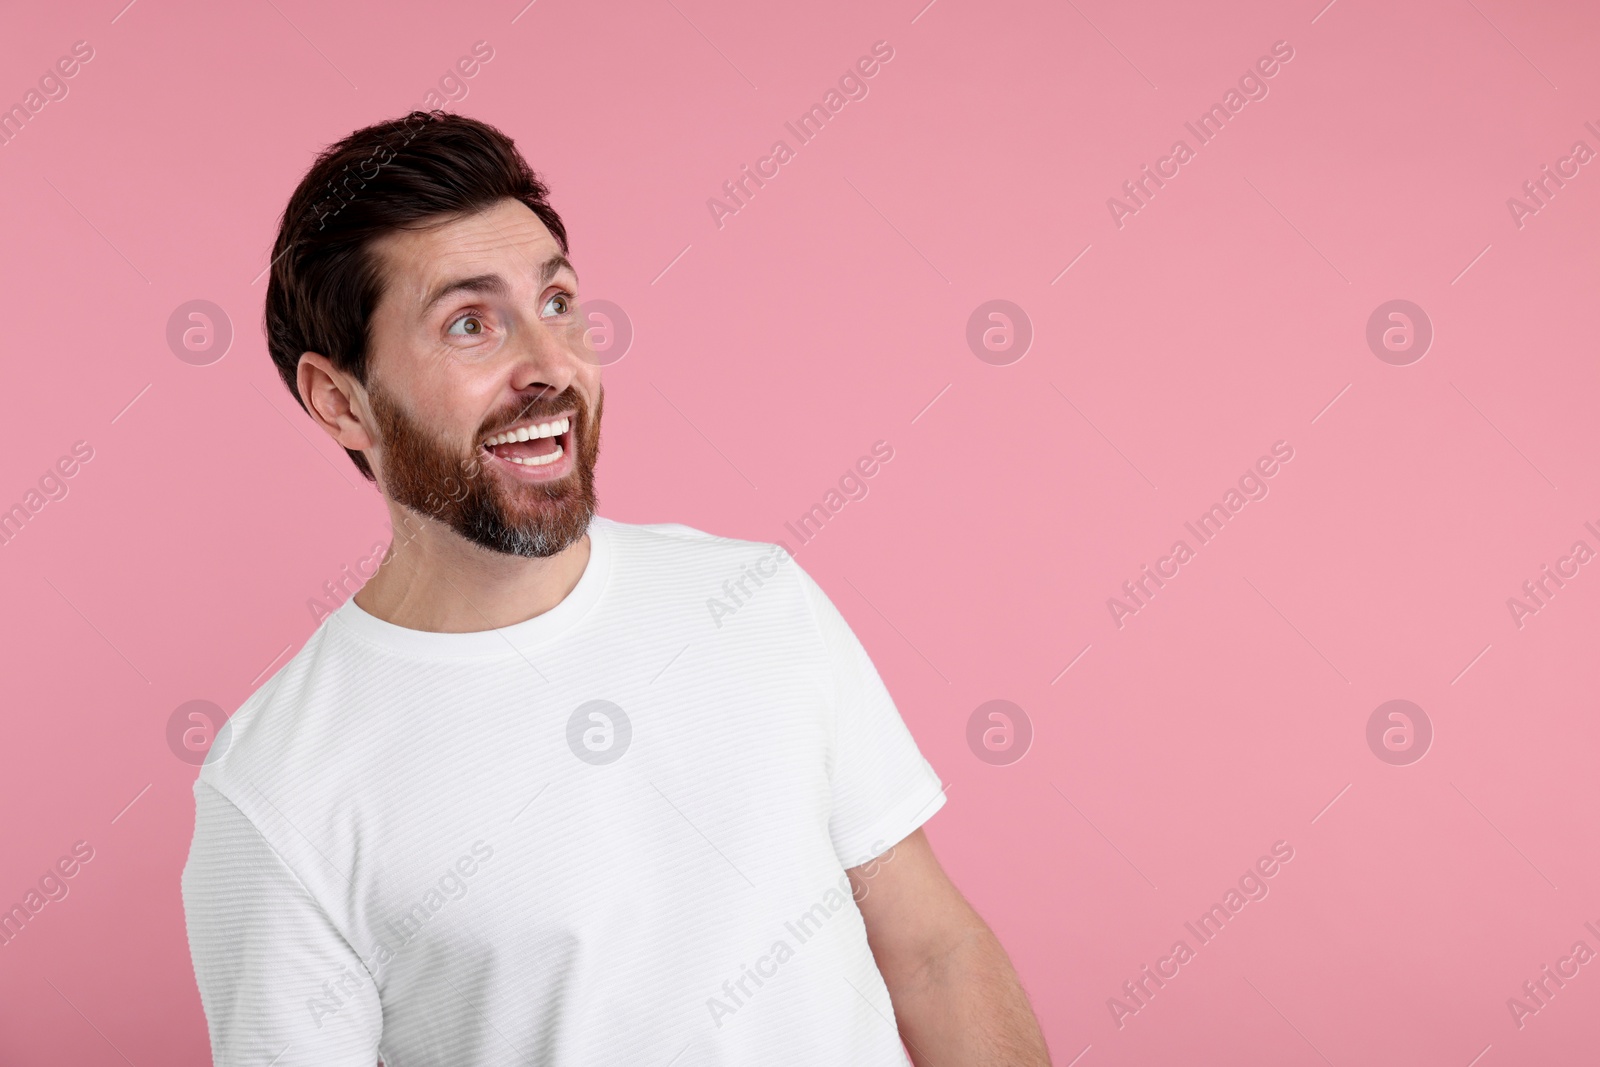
336,401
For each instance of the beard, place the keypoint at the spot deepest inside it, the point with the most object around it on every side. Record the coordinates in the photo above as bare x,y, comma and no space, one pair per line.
452,483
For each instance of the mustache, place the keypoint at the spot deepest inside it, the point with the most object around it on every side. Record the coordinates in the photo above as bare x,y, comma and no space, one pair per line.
537,409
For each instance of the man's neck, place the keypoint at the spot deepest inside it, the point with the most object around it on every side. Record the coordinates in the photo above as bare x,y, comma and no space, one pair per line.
438,581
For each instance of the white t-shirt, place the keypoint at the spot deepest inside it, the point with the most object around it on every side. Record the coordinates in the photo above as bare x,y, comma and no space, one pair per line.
615,833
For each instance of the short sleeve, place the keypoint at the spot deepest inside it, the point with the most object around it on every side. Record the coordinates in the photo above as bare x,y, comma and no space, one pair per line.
883,787
279,983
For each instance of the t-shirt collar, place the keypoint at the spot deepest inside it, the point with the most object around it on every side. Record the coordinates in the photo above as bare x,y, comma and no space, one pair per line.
505,641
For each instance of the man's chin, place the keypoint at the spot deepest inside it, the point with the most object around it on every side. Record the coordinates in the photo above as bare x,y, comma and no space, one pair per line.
529,540
488,497
532,520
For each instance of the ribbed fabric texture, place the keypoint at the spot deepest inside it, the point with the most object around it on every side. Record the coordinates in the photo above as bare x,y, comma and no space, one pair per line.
426,848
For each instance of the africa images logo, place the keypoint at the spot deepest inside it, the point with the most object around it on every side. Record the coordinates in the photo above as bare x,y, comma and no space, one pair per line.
1252,85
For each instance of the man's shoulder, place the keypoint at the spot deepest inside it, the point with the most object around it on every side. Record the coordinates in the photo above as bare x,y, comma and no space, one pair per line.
267,731
675,540
288,725
687,568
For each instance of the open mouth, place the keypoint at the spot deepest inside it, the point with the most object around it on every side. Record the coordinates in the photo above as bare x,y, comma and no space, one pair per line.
533,444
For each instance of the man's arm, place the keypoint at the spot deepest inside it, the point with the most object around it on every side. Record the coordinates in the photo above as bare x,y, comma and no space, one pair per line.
955,995
278,983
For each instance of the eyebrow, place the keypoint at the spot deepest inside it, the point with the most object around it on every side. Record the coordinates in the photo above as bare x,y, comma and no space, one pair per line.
494,284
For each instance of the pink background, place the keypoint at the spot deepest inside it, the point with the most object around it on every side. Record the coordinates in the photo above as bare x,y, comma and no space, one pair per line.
826,315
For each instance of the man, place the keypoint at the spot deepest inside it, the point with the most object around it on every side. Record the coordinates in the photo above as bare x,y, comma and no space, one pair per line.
522,800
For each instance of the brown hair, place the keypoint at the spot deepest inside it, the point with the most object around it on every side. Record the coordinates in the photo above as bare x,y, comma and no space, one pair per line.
421,169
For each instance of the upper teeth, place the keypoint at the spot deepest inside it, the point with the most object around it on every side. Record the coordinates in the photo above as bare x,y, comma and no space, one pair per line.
529,433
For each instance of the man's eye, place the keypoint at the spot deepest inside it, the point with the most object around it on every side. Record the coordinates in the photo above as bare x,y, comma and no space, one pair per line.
561,302
470,326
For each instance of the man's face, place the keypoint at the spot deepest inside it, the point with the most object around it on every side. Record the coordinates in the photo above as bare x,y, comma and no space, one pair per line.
477,347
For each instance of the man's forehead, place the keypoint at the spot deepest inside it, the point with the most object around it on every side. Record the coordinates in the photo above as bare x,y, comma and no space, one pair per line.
511,243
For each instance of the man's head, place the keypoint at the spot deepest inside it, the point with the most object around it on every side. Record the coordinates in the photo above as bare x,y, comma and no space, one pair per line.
422,309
